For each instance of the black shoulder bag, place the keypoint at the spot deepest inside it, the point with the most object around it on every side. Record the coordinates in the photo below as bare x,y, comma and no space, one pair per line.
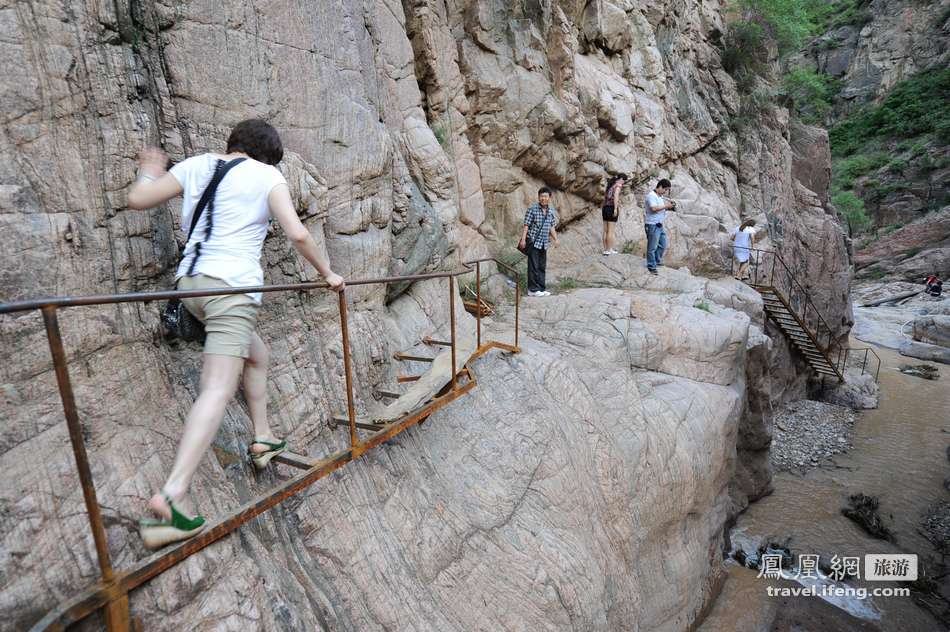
177,320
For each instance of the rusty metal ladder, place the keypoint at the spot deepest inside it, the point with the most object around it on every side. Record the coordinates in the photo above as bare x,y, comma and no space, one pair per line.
111,592
790,306
781,313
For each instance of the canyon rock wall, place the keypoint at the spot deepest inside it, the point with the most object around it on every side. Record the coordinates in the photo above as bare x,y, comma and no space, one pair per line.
417,132
867,52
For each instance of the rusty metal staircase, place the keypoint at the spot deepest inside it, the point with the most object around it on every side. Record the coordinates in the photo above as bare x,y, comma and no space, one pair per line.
789,305
782,314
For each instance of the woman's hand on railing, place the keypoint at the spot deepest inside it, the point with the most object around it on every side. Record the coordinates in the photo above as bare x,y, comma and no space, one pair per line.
335,281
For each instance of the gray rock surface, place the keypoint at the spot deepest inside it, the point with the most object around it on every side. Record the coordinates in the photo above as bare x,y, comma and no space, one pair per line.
932,329
924,351
859,391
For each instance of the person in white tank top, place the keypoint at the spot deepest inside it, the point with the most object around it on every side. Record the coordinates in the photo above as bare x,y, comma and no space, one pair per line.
223,250
743,238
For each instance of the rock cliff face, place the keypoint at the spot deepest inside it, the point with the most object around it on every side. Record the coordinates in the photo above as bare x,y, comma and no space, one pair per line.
596,468
887,42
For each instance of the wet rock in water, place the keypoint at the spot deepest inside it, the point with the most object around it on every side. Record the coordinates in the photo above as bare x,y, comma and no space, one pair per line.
863,510
774,548
753,559
926,371
946,483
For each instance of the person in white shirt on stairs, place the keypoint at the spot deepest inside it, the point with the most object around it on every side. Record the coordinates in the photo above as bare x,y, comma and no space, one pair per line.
743,239
223,249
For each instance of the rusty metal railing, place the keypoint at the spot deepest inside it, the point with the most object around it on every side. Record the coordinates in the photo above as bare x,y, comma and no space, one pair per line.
111,592
769,271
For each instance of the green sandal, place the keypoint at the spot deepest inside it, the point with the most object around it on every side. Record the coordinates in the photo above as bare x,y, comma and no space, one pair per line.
261,459
157,533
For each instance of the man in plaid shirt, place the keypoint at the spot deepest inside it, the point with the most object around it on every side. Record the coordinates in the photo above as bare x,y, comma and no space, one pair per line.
539,223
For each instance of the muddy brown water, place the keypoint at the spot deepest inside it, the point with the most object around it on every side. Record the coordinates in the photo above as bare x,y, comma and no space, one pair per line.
899,455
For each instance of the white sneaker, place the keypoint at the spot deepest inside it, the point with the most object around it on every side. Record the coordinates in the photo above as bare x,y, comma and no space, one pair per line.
612,252
533,293
544,293
608,252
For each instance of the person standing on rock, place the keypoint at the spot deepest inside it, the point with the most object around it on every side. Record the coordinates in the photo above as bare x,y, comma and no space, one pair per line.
223,249
743,239
538,233
654,215
610,211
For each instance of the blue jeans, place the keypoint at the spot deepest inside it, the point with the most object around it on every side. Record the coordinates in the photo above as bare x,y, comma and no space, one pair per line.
656,244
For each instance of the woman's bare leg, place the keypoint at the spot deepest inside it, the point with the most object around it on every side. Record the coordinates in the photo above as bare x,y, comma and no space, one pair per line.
255,392
219,380
608,235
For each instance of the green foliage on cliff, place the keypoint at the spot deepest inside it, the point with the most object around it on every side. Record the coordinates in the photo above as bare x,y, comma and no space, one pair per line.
788,23
837,13
895,135
914,108
851,209
847,170
811,94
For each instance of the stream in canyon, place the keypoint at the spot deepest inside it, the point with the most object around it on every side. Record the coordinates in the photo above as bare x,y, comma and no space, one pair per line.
900,456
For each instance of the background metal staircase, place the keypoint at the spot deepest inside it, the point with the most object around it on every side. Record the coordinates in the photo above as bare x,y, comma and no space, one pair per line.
790,307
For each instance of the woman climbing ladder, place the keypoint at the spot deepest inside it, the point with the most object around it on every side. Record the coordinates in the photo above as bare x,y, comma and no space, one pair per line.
223,249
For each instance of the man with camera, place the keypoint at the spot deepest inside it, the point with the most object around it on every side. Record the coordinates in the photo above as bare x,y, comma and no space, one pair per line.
654,216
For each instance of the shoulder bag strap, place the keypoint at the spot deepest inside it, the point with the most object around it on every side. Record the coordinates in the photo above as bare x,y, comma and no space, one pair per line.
206,198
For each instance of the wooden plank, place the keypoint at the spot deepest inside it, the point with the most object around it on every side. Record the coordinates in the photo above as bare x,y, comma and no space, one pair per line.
407,378
388,394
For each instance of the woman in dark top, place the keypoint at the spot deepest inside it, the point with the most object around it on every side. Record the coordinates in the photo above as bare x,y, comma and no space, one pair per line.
611,211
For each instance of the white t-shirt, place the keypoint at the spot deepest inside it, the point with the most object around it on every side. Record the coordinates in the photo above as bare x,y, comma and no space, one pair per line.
231,250
653,201
743,242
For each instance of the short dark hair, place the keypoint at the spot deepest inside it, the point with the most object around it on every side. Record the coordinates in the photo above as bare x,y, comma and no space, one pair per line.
544,190
663,184
258,139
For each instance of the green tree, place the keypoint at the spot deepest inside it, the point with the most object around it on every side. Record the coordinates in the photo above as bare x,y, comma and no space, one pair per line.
811,93
851,208
789,21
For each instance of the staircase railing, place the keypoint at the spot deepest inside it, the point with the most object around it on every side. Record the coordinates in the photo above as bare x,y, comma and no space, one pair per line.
111,592
769,271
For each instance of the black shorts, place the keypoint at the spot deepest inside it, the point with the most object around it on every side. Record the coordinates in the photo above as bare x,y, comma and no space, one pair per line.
607,212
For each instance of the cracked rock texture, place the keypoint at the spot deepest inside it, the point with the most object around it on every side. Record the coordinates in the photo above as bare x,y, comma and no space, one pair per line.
583,484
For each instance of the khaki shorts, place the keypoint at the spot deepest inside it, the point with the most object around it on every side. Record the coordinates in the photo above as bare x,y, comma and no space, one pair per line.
229,320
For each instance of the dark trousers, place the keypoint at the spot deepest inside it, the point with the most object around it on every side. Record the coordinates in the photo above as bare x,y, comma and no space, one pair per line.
537,264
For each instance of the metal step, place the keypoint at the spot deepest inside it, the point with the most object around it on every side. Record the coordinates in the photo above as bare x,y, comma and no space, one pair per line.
336,421
411,358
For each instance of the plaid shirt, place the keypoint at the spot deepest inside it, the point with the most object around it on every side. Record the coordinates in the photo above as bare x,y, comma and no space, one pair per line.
539,225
